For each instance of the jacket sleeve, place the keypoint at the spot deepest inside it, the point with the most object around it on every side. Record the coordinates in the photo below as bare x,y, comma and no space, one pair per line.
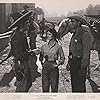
86,41
23,56
62,57
41,54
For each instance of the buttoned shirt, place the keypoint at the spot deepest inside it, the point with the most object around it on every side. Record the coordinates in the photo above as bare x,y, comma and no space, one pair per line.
80,46
52,51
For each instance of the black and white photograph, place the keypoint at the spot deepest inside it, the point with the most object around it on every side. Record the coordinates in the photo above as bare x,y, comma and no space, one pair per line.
50,46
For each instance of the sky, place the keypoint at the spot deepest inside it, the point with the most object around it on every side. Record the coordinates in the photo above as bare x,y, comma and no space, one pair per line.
59,7
62,7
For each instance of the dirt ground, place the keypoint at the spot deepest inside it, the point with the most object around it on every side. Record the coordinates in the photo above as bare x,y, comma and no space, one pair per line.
92,84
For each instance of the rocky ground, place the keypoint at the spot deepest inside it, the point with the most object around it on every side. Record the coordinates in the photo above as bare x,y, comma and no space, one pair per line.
64,79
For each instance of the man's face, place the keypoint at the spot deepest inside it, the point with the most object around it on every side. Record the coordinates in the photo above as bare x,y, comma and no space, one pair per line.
24,26
26,8
73,24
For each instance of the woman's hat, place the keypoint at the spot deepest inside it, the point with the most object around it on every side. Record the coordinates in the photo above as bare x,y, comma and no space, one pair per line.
19,18
49,26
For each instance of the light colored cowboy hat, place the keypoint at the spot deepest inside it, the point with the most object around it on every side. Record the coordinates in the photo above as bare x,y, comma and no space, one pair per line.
79,18
21,19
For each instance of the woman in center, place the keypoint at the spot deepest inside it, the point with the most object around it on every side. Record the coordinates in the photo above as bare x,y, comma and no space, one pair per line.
53,54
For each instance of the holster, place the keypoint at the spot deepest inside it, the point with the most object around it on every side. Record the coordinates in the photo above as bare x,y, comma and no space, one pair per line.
19,69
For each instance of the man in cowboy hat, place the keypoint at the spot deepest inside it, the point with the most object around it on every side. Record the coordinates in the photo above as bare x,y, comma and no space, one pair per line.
79,53
21,53
42,27
32,34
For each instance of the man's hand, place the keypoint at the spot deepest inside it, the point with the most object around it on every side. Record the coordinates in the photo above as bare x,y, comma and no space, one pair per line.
36,51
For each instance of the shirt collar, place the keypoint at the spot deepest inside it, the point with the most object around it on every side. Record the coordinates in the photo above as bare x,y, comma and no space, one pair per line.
78,30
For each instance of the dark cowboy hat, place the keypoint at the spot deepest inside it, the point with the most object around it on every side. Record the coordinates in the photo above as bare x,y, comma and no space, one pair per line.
16,15
19,18
79,18
25,6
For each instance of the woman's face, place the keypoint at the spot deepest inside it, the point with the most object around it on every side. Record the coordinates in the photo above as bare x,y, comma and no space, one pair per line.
49,35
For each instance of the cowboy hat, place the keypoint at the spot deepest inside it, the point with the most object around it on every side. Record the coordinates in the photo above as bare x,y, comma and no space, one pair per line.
22,18
16,15
81,19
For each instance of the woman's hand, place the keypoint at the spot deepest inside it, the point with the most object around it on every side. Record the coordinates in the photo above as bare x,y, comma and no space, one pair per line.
55,65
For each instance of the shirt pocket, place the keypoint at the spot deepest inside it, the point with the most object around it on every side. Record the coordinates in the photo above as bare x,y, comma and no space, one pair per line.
78,44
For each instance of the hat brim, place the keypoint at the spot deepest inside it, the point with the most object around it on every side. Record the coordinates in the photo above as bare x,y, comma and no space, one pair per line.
20,20
82,20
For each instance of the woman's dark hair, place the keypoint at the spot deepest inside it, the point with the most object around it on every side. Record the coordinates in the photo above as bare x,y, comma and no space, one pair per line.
54,33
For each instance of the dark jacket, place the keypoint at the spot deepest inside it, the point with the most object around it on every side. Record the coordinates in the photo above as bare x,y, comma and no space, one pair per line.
80,46
19,46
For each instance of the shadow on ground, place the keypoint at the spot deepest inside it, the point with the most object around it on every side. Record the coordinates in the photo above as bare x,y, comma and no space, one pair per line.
7,78
94,86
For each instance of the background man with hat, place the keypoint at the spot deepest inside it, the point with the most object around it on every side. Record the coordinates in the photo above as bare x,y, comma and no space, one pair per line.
42,27
32,34
79,53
